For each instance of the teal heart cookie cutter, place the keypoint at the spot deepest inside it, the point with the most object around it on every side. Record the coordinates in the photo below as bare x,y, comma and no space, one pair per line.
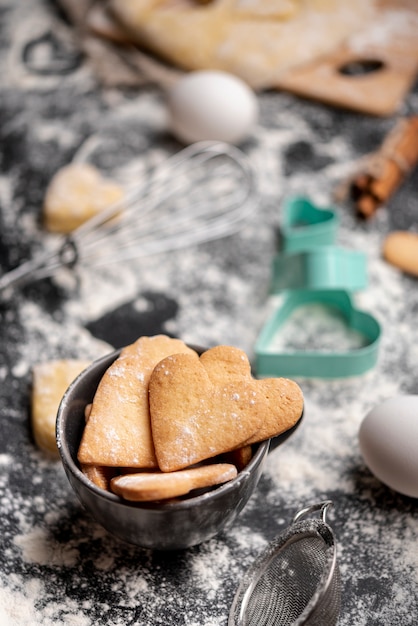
311,270
307,363
323,267
305,225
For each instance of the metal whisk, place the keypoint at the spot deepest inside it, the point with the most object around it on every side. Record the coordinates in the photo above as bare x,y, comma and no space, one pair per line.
295,581
204,192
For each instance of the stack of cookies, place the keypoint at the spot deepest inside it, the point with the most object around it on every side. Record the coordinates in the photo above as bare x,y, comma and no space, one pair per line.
165,421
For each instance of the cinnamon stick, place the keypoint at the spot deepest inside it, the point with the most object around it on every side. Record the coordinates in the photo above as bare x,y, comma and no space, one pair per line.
387,168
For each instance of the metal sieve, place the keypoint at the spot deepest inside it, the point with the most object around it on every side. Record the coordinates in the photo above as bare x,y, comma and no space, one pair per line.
295,581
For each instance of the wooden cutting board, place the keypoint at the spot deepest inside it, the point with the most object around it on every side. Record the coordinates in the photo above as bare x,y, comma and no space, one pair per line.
370,73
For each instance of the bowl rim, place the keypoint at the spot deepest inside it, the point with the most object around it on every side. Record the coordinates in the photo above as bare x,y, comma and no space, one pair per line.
70,465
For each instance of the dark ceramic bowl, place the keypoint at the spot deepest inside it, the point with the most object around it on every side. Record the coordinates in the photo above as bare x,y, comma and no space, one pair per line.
164,525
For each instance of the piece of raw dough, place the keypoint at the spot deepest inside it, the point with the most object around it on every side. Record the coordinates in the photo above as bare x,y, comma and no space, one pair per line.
76,193
50,380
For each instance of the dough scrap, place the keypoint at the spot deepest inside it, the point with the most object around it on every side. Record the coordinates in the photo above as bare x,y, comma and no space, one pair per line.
76,193
50,380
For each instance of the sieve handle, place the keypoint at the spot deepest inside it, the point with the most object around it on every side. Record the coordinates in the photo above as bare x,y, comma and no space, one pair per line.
320,506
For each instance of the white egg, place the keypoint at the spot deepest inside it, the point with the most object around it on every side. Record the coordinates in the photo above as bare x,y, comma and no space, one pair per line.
388,439
211,105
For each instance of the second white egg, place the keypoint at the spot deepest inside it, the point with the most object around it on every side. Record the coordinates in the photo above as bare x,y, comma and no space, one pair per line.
388,439
211,105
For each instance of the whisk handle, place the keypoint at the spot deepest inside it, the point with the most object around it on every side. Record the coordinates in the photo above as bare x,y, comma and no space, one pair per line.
21,274
41,266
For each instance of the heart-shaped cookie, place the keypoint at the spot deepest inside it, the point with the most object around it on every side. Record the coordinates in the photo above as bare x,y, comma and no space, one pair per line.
204,407
76,193
283,407
226,363
118,430
282,397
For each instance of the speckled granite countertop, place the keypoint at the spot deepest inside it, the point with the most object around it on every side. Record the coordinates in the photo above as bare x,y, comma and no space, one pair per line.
57,565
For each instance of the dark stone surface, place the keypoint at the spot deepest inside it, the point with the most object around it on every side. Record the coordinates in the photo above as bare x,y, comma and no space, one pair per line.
57,565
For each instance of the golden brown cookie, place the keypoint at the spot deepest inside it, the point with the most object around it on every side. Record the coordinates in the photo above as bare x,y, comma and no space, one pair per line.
50,380
99,475
195,419
146,486
283,397
239,457
118,432
283,407
400,249
204,407
225,362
